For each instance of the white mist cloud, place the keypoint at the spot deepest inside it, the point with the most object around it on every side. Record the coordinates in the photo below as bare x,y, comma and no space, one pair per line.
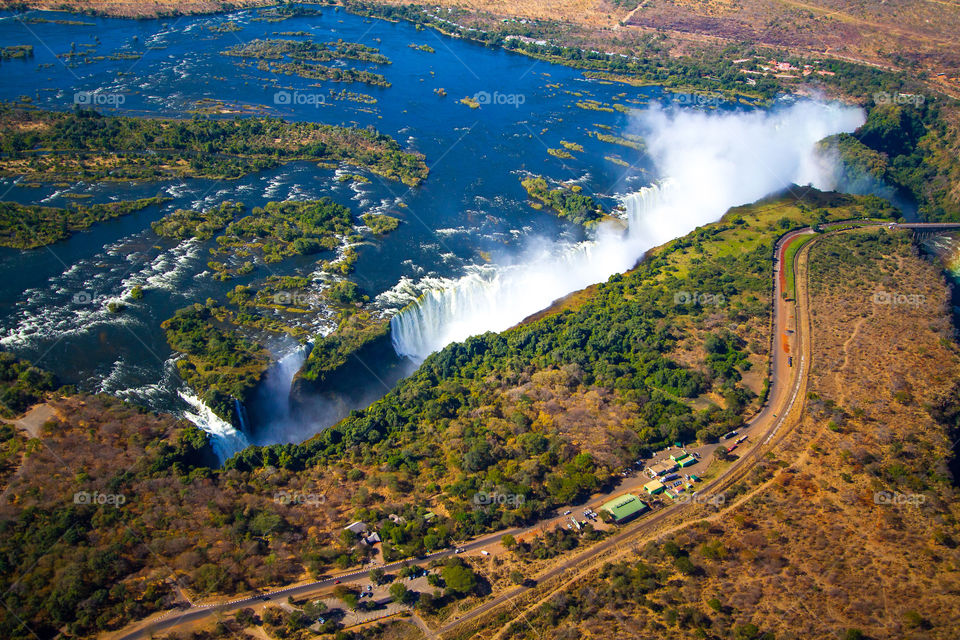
708,162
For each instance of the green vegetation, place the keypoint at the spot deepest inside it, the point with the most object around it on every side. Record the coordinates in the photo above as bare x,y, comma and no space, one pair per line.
567,202
422,47
355,331
219,364
226,27
380,225
186,223
21,385
320,72
297,57
30,226
285,11
709,70
560,153
633,142
908,146
512,413
307,50
49,146
269,234
16,52
280,230
789,274
45,536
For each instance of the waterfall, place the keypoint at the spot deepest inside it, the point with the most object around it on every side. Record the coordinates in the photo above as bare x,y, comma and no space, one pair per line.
271,404
496,298
715,161
242,416
226,440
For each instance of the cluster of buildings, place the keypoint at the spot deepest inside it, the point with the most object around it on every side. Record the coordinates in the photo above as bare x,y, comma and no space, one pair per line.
782,69
664,476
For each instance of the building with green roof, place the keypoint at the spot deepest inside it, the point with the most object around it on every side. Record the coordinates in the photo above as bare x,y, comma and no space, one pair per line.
653,487
625,507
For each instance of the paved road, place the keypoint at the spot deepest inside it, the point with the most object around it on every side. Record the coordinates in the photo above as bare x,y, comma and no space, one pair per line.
786,382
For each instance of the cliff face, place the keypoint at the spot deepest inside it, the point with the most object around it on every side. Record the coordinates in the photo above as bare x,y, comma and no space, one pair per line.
344,370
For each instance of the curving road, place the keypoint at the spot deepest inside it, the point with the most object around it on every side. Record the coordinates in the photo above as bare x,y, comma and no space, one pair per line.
790,338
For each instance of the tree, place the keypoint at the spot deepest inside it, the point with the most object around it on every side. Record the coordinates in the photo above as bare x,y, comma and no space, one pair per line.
508,541
427,603
460,579
376,575
348,538
516,577
400,593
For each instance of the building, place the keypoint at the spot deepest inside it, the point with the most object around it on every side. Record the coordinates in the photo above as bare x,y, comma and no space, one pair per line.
686,461
624,508
357,527
653,487
663,468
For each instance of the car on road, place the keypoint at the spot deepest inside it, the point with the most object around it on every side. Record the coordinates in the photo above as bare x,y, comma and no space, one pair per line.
336,582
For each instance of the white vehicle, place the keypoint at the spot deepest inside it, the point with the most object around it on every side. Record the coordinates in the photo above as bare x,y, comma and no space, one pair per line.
567,512
485,552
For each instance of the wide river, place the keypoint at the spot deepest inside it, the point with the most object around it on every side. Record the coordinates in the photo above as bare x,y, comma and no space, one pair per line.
469,222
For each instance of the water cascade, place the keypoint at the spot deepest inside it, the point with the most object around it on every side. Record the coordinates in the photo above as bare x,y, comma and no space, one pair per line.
226,440
271,407
242,416
714,161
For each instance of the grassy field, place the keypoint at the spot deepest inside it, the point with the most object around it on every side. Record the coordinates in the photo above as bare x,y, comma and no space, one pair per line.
788,266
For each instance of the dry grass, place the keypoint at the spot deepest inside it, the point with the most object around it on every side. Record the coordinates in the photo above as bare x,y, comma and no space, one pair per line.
808,552
137,8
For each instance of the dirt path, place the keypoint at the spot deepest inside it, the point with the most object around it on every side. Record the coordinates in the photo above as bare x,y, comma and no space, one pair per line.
34,419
